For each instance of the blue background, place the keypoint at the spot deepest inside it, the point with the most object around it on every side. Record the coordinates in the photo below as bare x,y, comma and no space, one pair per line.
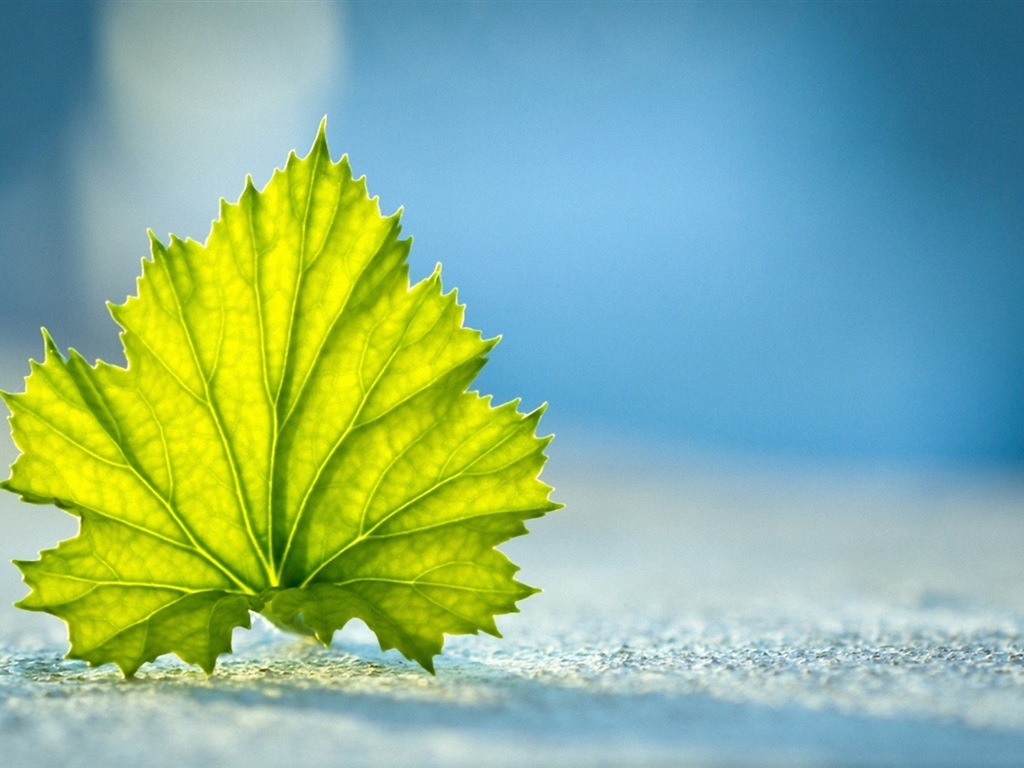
778,230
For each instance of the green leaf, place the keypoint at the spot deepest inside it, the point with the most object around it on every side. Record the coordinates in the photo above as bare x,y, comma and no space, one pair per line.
292,434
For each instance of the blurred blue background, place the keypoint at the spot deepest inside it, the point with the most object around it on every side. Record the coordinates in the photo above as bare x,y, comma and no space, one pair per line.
774,230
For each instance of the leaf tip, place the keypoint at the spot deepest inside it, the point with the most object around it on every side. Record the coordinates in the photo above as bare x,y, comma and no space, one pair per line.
324,638
155,246
50,346
534,418
320,142
128,670
115,310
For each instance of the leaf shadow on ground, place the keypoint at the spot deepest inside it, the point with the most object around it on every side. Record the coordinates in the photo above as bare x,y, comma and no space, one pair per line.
299,696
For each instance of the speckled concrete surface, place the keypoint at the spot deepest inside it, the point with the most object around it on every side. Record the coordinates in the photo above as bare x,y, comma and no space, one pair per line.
693,614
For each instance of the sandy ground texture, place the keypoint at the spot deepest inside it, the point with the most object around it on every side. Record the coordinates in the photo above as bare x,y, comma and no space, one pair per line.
694,613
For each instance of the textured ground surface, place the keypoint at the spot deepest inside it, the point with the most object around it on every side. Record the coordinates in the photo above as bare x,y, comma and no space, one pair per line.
693,614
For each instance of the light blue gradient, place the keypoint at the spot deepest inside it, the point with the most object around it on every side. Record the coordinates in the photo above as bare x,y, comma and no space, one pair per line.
773,229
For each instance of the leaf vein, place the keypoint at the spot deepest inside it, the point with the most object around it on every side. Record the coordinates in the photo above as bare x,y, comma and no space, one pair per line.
212,408
433,488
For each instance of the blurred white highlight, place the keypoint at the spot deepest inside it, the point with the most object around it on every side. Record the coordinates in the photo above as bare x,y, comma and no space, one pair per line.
193,96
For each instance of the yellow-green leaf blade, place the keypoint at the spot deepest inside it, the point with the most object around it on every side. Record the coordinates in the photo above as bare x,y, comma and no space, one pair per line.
292,433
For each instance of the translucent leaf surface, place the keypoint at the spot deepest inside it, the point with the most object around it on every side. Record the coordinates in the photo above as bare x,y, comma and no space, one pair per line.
292,435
